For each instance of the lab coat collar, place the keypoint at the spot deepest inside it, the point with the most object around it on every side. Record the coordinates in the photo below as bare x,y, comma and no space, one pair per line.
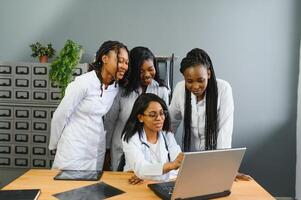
161,142
150,88
98,82
144,139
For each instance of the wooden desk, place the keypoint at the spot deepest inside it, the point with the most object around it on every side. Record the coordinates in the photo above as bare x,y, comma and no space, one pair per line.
43,179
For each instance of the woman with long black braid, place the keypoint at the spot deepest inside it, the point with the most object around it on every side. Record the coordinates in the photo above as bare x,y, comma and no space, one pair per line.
77,130
204,102
206,105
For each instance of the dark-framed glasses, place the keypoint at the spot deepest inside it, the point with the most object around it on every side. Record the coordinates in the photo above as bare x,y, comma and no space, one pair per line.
154,115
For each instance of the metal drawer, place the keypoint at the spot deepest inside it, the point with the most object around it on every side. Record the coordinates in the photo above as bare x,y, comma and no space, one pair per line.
22,70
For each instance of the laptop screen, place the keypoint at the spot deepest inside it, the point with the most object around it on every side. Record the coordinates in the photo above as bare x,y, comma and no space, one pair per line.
207,172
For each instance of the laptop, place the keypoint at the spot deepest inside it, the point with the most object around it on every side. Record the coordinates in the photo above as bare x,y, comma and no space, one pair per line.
203,175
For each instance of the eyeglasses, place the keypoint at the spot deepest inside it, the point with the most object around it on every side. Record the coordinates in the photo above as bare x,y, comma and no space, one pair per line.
154,115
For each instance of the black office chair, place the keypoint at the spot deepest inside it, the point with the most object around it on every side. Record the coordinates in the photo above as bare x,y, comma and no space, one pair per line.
121,163
165,66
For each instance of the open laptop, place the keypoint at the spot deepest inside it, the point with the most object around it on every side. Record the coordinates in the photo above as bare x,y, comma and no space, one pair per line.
203,175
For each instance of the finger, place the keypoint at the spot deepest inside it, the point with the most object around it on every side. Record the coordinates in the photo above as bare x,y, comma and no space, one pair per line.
136,181
131,180
139,181
243,177
246,178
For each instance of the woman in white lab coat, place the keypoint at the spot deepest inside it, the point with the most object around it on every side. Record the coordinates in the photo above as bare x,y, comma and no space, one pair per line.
151,151
77,130
144,78
204,103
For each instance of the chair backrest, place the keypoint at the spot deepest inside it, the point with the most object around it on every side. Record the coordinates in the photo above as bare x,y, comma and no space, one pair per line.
165,66
121,163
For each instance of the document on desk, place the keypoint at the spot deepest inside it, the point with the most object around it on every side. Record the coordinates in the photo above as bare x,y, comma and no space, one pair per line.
32,194
79,175
91,192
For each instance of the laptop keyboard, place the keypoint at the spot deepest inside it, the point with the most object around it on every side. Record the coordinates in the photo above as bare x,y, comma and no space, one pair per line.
163,190
168,188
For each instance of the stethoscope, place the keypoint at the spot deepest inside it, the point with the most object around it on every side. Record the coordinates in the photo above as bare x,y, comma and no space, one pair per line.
165,142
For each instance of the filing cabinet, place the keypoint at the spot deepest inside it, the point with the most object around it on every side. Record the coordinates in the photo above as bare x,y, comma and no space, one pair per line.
21,138
5,82
5,125
27,102
22,113
6,69
5,149
5,161
39,138
5,94
6,112
22,83
21,162
5,137
21,150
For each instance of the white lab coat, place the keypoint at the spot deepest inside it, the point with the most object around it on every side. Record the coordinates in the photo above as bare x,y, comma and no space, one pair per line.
147,165
119,113
225,109
77,130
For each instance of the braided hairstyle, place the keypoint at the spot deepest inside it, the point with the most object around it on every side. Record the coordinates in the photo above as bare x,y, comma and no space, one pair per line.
137,57
197,57
104,49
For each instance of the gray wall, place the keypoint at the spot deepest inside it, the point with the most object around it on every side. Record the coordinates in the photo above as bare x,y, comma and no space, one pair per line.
253,45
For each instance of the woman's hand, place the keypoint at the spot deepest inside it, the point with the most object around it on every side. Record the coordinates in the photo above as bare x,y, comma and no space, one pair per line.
243,177
178,161
174,164
135,180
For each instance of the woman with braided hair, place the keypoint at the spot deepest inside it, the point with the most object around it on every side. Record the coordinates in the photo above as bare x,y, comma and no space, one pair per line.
77,130
204,103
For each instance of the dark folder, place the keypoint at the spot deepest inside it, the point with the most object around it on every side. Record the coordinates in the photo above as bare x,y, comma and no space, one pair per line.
91,192
79,175
31,194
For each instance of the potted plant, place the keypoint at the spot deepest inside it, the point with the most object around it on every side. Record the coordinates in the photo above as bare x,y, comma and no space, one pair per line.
41,51
63,66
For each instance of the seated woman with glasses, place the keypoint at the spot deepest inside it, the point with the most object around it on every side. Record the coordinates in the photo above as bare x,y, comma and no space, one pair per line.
151,151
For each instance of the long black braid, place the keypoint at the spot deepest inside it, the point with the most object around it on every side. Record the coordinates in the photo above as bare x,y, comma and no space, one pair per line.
193,58
104,49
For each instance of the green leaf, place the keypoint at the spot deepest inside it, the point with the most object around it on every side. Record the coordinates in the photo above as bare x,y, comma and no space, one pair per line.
64,65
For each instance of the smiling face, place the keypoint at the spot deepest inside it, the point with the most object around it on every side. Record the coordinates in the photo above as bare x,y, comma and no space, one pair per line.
147,72
196,80
123,63
153,118
110,63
